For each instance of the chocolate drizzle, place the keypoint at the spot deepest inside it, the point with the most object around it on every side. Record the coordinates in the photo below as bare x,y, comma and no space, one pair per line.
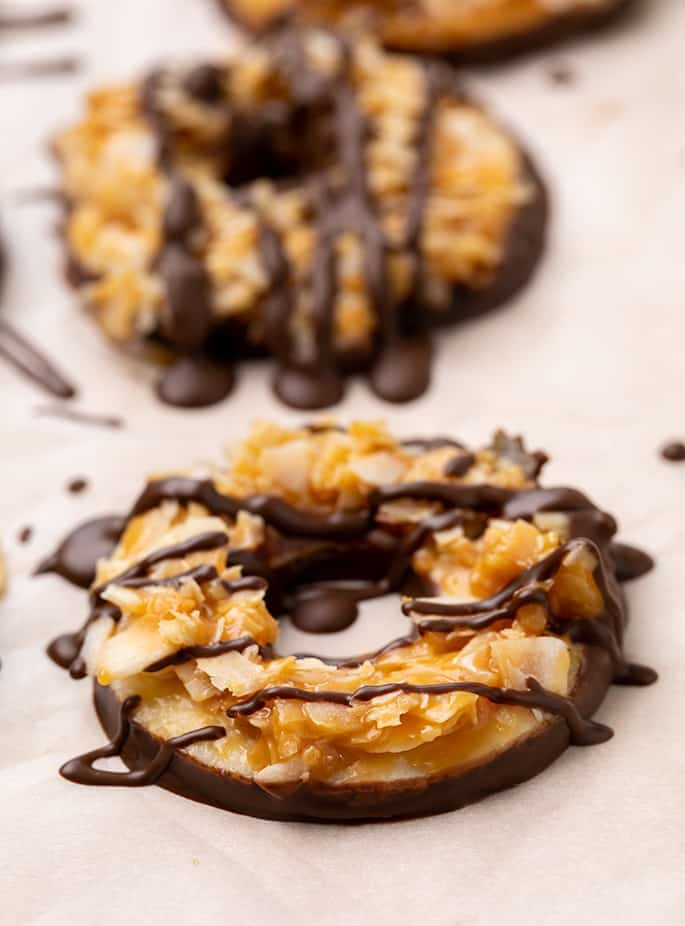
82,770
135,576
75,556
605,631
207,651
630,562
334,176
64,65
583,732
58,16
324,607
277,513
18,351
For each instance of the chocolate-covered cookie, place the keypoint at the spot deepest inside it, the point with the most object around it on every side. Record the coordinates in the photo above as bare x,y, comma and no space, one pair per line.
515,626
468,31
317,200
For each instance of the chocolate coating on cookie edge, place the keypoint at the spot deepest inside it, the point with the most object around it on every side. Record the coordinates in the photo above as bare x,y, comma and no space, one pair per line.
314,802
562,28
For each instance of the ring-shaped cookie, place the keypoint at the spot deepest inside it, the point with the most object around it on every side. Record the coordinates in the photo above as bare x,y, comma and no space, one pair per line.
316,200
516,626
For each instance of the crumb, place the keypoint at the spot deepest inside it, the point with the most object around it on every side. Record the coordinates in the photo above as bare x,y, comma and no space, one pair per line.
674,451
561,74
25,534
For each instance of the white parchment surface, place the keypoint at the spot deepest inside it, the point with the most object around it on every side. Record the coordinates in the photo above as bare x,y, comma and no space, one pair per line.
589,363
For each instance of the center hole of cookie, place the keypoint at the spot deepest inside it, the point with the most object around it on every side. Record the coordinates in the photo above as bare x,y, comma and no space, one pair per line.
269,143
373,623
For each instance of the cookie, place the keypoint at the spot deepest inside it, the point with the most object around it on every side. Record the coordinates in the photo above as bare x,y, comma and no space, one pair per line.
317,200
467,31
515,625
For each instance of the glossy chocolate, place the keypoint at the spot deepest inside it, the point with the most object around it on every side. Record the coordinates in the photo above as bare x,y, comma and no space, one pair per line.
674,452
76,556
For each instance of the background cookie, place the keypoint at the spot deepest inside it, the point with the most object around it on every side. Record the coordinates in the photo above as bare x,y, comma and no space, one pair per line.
515,615
200,225
469,31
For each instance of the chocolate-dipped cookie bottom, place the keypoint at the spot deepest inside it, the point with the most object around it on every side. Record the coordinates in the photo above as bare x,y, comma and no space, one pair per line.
562,27
402,799
515,625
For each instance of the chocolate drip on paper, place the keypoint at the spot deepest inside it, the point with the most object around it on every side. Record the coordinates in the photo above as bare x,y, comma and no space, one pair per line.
25,534
630,562
76,556
45,67
57,16
674,452
34,364
82,770
584,732
78,417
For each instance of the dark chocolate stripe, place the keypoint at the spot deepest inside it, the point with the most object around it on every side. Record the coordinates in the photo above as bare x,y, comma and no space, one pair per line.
584,732
541,571
203,573
276,512
210,540
207,651
605,631
82,771
19,352
419,191
326,608
78,417
59,16
65,650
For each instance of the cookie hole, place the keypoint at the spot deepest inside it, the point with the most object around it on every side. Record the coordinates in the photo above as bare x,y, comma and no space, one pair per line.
280,143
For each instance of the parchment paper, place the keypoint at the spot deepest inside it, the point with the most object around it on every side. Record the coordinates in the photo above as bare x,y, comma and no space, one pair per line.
588,363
